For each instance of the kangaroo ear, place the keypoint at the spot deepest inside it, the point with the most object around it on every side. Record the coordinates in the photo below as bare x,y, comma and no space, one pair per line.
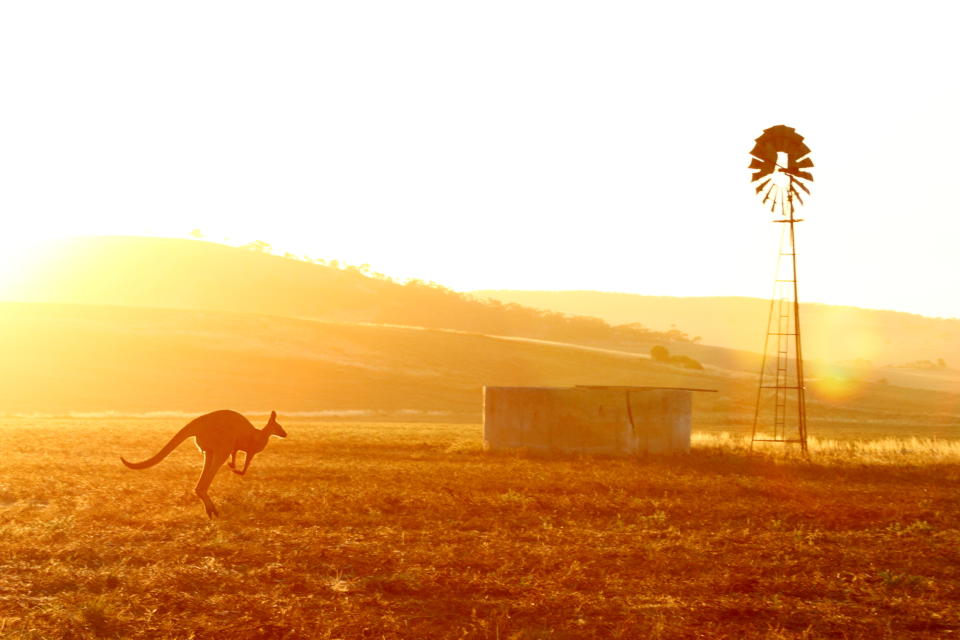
273,416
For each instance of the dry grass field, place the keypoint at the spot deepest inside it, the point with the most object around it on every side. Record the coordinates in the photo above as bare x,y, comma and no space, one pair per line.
348,530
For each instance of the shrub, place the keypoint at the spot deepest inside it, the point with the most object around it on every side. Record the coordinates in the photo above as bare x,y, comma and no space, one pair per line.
662,354
687,362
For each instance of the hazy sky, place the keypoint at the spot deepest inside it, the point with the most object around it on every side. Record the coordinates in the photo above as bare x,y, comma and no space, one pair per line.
547,145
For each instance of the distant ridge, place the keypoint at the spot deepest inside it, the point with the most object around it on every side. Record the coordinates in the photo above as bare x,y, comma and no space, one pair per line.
63,361
831,333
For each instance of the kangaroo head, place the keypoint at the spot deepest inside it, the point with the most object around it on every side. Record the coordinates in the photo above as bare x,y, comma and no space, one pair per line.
273,427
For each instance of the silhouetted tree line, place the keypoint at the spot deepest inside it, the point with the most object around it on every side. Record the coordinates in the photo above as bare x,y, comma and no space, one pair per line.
432,305
357,293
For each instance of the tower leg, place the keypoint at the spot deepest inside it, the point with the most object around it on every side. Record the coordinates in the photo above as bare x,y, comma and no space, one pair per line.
781,384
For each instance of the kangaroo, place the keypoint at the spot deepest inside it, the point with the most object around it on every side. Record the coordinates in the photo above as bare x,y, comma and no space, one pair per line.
219,435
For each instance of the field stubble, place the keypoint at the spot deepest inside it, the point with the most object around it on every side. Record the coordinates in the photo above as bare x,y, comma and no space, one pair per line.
351,530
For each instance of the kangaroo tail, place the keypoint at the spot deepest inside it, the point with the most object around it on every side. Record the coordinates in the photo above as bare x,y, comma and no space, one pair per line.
180,436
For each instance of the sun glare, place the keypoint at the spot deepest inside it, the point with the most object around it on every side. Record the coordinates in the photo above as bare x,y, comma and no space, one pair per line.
837,385
19,261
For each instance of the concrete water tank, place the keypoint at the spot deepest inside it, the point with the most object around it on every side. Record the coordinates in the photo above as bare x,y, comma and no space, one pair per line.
594,419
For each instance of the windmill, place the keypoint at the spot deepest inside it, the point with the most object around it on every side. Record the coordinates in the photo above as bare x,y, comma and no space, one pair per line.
780,163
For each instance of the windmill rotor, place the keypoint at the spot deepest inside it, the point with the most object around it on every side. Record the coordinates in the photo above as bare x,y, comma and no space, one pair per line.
779,162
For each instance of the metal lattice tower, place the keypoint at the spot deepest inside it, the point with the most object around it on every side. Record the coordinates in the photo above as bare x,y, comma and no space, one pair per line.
779,159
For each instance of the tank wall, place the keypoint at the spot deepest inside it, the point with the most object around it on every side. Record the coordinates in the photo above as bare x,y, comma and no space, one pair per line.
663,419
590,420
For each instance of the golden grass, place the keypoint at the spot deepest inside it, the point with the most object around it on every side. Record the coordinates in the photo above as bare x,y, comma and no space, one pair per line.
413,531
884,451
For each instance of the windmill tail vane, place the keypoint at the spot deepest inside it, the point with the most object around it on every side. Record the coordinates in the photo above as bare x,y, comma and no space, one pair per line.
780,163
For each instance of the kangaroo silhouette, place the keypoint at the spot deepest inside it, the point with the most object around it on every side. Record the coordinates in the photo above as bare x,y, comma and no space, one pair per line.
219,435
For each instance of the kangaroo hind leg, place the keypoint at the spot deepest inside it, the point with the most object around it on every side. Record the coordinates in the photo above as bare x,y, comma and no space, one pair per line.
212,461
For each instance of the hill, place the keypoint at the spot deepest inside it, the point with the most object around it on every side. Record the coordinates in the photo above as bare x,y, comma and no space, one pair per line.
136,325
902,348
62,358
189,274
81,358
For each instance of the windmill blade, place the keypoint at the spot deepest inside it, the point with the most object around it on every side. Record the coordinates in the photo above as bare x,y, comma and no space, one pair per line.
762,185
767,196
788,140
779,141
765,151
778,133
795,147
757,164
766,145
800,184
804,175
806,163
770,148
